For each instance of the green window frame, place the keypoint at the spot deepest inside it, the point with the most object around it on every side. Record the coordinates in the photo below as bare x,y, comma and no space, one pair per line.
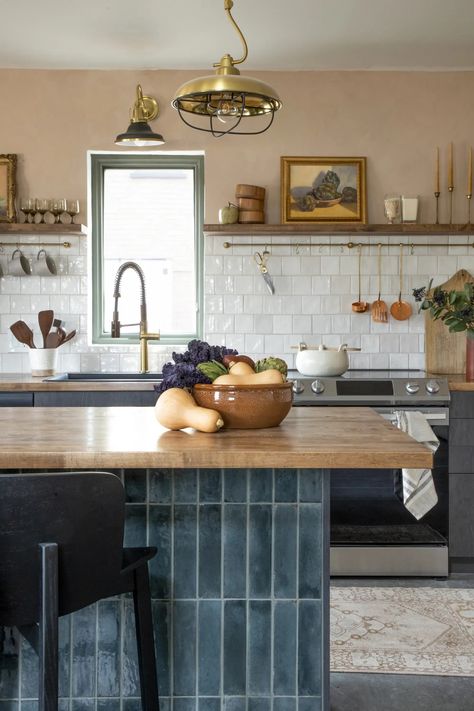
99,163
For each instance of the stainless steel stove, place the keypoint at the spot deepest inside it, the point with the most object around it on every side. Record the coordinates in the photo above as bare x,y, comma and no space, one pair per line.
372,534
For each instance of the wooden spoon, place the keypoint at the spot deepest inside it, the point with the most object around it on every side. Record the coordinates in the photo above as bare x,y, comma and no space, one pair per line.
23,333
401,310
45,320
67,338
360,306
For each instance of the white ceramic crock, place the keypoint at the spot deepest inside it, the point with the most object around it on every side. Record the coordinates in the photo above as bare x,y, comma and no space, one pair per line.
322,361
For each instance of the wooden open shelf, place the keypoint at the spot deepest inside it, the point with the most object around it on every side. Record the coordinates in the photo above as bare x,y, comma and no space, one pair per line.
19,228
337,229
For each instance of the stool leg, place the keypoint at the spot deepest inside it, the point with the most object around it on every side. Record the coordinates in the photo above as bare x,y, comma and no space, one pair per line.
48,629
145,640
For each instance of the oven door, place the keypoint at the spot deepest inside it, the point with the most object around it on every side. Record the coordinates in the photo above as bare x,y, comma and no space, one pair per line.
373,534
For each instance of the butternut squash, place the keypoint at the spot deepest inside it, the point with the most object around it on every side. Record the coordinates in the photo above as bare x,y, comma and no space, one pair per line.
239,367
176,409
266,377
229,360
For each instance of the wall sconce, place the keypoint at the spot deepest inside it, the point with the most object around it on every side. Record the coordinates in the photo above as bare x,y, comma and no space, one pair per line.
139,133
218,103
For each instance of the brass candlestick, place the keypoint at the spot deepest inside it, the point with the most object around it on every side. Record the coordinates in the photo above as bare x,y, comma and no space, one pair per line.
451,190
437,194
468,198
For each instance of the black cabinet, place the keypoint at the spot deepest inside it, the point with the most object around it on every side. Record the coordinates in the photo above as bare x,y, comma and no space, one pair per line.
95,398
461,482
16,399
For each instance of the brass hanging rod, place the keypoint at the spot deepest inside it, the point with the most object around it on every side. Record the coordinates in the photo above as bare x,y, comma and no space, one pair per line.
34,244
349,245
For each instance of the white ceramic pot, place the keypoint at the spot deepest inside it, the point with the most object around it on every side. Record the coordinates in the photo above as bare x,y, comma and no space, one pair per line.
322,361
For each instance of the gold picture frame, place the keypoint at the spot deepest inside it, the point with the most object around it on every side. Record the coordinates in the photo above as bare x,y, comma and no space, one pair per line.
324,190
7,187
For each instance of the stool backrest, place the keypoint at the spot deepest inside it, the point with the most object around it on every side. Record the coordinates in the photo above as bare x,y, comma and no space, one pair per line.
83,512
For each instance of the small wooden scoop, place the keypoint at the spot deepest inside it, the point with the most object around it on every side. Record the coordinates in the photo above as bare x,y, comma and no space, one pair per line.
23,333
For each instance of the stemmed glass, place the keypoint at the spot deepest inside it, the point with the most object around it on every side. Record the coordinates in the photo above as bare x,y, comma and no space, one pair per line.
27,206
54,209
42,206
63,215
72,208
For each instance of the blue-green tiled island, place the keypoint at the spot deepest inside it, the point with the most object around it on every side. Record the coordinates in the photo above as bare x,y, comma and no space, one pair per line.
240,584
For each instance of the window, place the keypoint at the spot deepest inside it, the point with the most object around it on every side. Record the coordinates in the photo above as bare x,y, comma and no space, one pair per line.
148,209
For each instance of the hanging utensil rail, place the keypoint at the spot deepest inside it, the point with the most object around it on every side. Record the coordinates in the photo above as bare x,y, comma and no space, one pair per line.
348,245
19,243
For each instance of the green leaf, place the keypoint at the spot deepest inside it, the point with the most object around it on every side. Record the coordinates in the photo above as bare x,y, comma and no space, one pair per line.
459,326
212,369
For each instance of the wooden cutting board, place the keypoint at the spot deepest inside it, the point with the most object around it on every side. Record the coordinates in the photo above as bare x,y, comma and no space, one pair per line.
445,351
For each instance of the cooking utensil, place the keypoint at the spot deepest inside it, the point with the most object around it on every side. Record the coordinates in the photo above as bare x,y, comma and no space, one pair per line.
54,339
360,306
261,259
45,320
401,310
322,361
379,307
23,333
70,335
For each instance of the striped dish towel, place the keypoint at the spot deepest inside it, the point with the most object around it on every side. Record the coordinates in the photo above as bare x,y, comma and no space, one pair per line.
418,489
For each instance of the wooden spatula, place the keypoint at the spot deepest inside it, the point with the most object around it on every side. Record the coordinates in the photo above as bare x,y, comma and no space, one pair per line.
23,333
45,320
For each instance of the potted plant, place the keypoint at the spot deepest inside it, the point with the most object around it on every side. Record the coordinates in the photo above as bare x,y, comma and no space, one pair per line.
456,310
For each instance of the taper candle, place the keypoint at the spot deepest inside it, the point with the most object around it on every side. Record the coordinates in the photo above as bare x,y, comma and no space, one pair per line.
450,166
437,171
469,171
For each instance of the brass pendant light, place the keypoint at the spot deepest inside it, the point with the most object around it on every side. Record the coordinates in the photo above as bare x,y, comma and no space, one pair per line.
139,132
222,102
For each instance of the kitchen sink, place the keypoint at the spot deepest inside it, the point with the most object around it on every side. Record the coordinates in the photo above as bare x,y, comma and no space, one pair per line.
107,377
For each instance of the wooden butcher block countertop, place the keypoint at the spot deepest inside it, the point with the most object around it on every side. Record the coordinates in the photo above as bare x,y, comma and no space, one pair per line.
17,382
95,438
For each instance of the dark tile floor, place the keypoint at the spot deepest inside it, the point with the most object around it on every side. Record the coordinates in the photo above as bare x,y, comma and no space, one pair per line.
397,692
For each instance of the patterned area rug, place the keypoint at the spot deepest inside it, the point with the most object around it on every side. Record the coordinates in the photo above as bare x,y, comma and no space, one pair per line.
402,631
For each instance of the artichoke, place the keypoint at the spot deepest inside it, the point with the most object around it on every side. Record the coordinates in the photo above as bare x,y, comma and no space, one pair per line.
212,369
272,363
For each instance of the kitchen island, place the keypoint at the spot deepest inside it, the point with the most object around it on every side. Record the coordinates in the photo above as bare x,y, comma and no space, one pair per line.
240,584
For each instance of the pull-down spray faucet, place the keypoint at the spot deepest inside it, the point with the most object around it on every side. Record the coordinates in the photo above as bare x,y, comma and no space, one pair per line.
144,336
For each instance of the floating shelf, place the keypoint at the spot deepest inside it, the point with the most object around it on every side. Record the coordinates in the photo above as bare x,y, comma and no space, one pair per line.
19,228
336,229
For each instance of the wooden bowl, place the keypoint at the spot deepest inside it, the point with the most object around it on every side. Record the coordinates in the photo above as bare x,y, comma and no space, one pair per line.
247,407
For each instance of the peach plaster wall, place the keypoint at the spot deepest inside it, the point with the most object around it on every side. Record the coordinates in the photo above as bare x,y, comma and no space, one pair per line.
395,119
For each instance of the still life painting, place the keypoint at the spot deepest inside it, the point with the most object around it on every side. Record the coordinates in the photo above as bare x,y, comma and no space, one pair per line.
327,190
7,187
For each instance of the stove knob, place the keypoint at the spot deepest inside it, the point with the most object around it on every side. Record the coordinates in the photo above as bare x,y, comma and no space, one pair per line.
297,387
432,386
412,388
317,386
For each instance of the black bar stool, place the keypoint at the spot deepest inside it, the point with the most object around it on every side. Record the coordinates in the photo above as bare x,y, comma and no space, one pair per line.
61,548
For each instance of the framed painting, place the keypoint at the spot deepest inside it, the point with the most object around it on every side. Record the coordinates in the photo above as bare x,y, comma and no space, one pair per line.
7,187
330,190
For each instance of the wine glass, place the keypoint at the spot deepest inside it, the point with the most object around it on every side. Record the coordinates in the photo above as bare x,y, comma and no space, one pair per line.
54,209
42,206
72,208
27,207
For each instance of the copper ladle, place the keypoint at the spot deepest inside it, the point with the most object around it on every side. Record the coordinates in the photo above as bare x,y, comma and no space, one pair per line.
401,310
360,306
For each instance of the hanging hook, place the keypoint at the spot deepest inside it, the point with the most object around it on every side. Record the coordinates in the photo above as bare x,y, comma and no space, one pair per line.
297,250
412,249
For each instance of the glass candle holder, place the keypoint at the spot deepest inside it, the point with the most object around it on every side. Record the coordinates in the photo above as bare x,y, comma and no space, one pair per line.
409,208
393,208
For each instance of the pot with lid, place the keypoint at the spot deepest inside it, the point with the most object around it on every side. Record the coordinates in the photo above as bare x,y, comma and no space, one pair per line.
322,360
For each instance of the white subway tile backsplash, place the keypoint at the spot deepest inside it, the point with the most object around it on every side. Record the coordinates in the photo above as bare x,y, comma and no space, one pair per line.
283,324
302,324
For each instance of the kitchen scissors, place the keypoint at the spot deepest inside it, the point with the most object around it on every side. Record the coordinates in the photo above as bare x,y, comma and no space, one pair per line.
261,259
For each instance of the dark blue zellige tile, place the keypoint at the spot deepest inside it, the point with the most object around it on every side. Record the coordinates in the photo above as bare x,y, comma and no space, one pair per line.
235,550
260,550
162,630
135,486
284,648
310,554
261,485
10,642
310,485
83,705
83,652
185,703
185,550
159,535
285,547
9,705
129,667
209,647
259,647
209,703
210,485
29,671
235,644
259,703
235,485
26,705
309,648
160,485
110,704
184,648
64,704
108,648
234,703
284,703
135,525
286,485
185,485
309,703
132,705
64,654
165,703
209,550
